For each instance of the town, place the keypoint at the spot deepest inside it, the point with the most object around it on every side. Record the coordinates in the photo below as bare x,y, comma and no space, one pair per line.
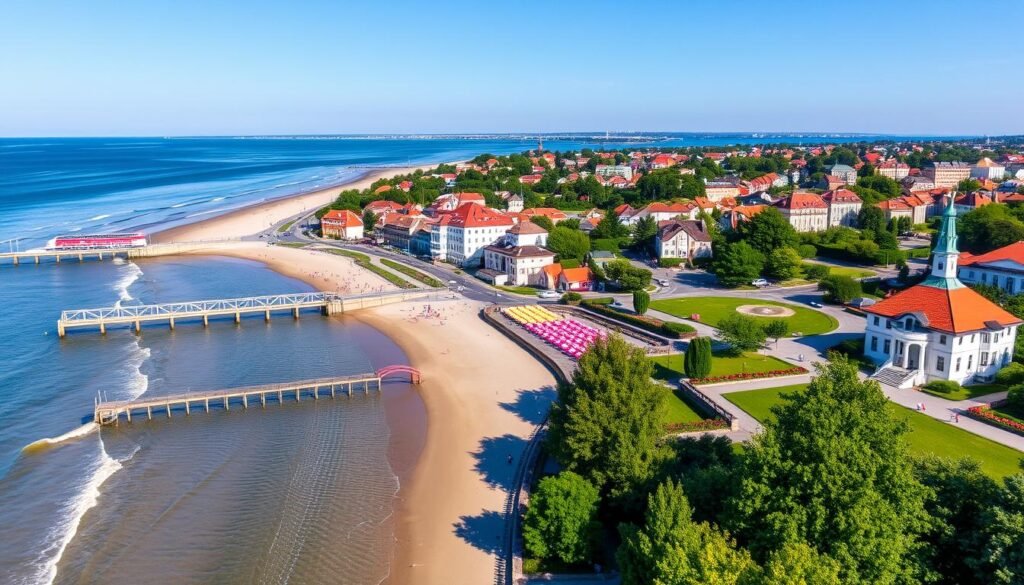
732,284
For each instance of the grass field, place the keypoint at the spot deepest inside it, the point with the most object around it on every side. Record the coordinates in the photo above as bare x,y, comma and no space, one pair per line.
849,271
285,227
1011,412
927,435
966,392
520,290
713,309
363,261
410,271
670,367
678,410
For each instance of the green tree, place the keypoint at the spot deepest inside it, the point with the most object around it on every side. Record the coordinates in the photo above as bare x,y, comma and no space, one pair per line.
776,329
796,563
831,469
609,227
1003,552
644,231
884,185
672,549
987,228
607,423
627,276
596,270
784,264
641,301
968,185
871,218
840,289
737,264
697,359
742,333
369,220
568,243
768,231
544,222
561,522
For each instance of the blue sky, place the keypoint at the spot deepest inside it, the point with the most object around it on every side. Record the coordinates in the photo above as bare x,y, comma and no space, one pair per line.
206,68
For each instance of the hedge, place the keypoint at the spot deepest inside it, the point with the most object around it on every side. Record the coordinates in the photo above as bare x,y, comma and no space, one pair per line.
840,252
671,262
666,328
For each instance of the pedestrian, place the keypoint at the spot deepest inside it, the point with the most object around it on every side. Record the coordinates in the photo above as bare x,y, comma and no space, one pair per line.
510,460
957,415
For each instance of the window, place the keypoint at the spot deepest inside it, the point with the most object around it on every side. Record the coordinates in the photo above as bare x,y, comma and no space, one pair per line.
960,341
942,340
874,342
970,362
984,358
888,324
985,337
970,274
972,338
887,346
940,363
984,277
876,320
958,364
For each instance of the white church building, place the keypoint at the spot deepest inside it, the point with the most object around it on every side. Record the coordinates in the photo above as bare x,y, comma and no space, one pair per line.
939,329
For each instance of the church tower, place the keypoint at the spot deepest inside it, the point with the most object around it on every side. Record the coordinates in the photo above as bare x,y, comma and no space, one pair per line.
945,254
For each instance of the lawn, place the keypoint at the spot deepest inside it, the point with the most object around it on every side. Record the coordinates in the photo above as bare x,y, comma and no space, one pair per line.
285,227
713,309
670,367
678,410
520,290
410,271
966,392
849,271
363,261
927,435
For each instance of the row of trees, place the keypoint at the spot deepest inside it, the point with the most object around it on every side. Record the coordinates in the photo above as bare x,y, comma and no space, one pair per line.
828,492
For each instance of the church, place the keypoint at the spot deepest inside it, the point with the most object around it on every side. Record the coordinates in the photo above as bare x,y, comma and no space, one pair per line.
939,329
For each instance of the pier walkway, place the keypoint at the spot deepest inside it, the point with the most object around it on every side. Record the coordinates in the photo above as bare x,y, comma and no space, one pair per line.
329,304
152,250
110,412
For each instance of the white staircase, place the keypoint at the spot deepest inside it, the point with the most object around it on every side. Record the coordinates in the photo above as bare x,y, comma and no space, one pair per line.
895,377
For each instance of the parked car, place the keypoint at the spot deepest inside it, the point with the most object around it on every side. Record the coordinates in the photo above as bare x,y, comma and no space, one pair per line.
549,294
760,283
815,304
663,282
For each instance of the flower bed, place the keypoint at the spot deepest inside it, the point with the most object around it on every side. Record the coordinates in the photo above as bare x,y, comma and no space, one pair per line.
750,376
708,424
985,414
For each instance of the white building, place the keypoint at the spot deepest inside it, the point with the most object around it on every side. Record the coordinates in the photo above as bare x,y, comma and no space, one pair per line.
894,169
606,171
1003,268
460,236
845,173
947,174
806,212
843,207
342,224
939,329
987,169
516,265
682,239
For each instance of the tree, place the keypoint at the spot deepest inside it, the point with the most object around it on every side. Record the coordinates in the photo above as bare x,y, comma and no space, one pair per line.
904,273
609,227
784,264
369,220
887,187
644,231
544,222
568,243
831,469
608,422
987,228
796,563
776,329
672,549
627,276
840,289
561,522
968,185
871,218
697,359
737,264
742,333
596,270
641,301
1004,533
768,231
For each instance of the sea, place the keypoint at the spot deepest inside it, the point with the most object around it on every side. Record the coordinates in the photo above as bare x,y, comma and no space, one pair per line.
293,493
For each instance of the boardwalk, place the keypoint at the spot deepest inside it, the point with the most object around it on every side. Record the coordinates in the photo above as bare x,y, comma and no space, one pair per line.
111,412
136,315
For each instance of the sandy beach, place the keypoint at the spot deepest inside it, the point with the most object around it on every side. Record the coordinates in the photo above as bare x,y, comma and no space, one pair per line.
253,219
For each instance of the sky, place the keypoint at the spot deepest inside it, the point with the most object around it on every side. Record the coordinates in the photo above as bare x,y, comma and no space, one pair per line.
183,67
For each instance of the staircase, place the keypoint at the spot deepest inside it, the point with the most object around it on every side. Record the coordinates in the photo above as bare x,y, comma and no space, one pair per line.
893,376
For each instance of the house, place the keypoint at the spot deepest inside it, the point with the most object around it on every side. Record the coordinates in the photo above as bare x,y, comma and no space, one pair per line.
914,183
342,224
896,209
526,233
843,207
919,206
513,201
720,188
660,211
893,169
845,173
555,215
970,201
400,231
576,279
459,236
608,171
732,218
765,182
662,161
530,179
1003,267
939,329
451,201
516,265
947,174
986,169
602,257
687,239
806,212
382,208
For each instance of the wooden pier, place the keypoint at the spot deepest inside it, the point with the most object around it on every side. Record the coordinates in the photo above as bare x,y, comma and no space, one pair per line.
111,412
37,256
171,313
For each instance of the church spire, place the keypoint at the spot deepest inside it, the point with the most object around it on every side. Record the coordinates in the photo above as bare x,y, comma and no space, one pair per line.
945,255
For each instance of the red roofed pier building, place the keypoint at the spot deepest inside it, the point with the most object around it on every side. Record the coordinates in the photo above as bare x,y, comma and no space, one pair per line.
939,329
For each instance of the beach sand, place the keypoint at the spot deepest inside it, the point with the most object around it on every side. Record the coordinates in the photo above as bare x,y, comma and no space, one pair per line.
484,395
253,219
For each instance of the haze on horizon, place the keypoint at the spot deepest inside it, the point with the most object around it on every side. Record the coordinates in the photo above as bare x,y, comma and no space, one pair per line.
231,68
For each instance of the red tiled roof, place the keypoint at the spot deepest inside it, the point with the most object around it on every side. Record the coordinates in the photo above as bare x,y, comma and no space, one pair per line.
959,310
549,212
581,274
471,215
894,205
1014,252
841,196
342,217
802,201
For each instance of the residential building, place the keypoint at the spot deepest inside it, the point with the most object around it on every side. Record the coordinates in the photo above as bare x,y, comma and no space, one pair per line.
607,171
896,208
988,170
893,169
732,218
516,265
530,179
806,212
843,207
342,224
400,231
722,187
687,239
765,182
526,233
513,201
845,173
919,204
661,211
1003,267
662,161
576,279
451,201
915,183
555,215
382,208
939,329
947,174
459,236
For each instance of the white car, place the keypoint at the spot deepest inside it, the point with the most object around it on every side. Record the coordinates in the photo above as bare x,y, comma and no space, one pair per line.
760,283
663,282
549,294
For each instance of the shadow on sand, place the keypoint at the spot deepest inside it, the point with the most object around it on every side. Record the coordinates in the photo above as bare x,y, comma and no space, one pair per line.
484,531
532,405
492,460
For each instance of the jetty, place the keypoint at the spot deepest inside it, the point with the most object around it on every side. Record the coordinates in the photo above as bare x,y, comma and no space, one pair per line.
328,303
111,412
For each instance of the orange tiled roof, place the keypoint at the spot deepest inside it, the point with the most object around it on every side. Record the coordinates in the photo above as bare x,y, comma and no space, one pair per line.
1014,252
581,274
802,201
959,310
472,215
342,217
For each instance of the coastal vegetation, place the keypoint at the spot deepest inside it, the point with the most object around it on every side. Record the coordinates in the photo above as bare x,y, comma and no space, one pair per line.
363,261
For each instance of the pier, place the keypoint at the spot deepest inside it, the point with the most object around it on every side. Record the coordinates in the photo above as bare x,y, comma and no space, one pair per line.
17,257
172,313
111,412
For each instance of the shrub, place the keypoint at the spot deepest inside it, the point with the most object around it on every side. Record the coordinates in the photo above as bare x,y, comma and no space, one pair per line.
697,360
572,298
561,522
666,328
840,289
674,329
1015,396
600,301
943,386
641,301
816,271
741,332
1011,375
807,250
670,262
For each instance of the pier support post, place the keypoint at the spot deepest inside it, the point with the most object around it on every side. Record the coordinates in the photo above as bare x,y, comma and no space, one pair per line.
226,405
316,393
245,401
103,328
81,258
207,401
168,410
101,255
149,412
298,395
263,399
58,258
172,323
128,413
295,312
350,388
15,260
238,317
332,390
280,397
266,315
138,327
206,320
60,330
186,408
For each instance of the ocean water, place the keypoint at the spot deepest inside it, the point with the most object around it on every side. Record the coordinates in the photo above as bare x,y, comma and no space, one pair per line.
299,493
